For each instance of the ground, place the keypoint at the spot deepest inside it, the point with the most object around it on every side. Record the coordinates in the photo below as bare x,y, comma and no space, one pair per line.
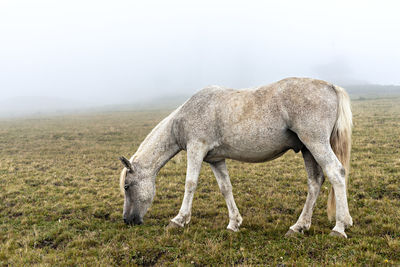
60,202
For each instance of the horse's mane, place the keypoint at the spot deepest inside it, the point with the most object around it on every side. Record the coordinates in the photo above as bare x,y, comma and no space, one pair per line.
122,180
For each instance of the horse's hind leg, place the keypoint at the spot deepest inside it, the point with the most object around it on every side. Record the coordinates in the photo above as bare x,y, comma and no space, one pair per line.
315,180
224,183
334,170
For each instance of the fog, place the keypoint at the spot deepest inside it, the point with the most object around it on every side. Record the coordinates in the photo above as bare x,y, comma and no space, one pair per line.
89,53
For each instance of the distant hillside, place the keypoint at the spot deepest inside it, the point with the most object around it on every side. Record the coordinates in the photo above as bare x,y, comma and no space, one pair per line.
33,105
165,102
372,90
37,106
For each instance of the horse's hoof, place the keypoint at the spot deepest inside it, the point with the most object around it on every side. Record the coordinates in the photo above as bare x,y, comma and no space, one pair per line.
338,234
173,225
291,233
232,229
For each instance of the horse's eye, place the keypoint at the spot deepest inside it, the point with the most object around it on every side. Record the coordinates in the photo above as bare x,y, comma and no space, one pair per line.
126,187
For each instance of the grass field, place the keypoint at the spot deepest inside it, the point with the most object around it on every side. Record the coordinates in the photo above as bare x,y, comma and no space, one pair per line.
60,202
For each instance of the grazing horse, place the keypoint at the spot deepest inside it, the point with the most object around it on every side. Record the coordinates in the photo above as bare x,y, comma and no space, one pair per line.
257,125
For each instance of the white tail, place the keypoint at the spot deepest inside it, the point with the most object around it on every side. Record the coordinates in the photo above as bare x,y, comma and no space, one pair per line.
341,142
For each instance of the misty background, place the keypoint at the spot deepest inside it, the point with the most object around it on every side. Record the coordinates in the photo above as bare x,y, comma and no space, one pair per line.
70,55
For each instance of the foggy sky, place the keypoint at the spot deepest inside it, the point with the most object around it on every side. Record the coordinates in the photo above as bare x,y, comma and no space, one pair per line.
111,52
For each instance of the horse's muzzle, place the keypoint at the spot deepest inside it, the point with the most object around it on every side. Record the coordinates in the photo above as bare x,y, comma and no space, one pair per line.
136,220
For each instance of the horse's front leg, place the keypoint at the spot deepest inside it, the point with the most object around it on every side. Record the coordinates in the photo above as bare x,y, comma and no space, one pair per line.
224,183
315,180
195,155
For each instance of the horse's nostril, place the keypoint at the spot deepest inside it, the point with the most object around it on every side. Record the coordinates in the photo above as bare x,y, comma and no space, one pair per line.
137,220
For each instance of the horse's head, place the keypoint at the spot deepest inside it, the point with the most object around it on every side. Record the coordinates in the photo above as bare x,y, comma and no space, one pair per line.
139,190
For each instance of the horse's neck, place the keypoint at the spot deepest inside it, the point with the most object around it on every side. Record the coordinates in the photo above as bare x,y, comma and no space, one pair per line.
158,147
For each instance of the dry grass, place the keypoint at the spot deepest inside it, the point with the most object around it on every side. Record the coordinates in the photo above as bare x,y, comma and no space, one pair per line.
61,205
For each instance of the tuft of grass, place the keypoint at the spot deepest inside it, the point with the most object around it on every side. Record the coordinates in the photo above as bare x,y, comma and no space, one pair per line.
60,202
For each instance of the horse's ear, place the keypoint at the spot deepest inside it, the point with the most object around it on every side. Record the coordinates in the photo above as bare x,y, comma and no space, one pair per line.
126,163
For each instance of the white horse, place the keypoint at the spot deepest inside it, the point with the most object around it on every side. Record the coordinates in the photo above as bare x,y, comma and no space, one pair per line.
307,115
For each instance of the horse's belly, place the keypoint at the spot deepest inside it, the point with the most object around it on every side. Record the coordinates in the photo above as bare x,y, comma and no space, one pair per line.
255,148
245,156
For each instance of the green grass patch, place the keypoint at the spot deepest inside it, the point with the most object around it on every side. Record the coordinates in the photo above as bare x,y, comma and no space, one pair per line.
60,202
